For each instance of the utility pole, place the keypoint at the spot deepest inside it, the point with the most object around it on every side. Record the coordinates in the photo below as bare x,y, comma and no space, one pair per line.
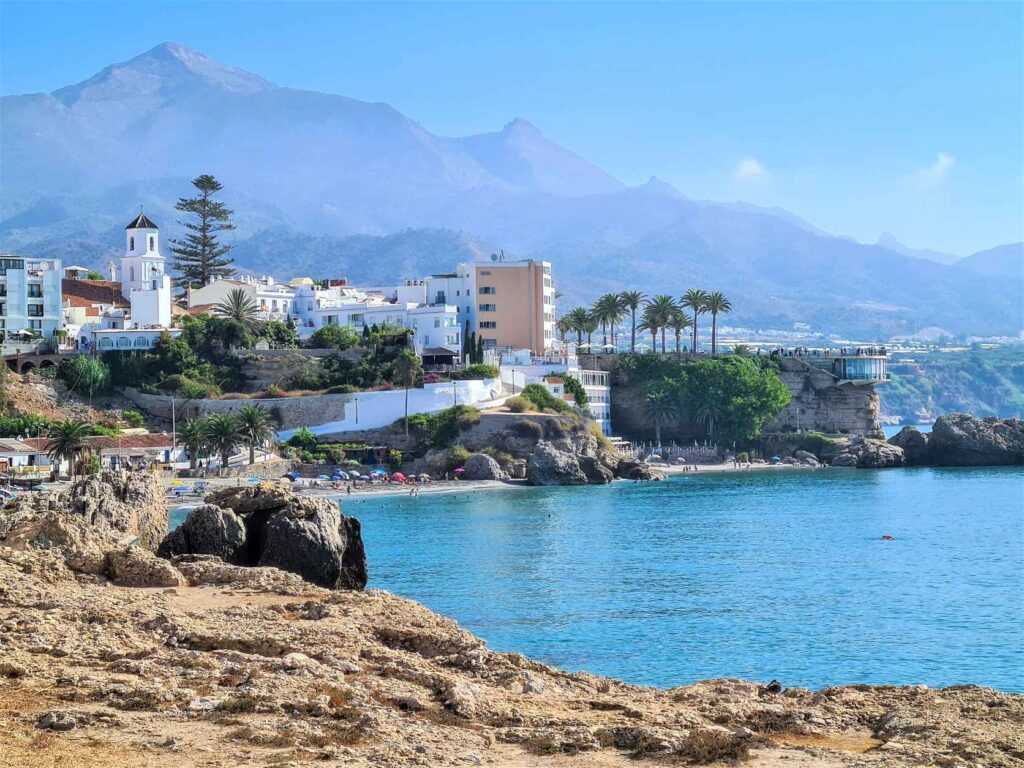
174,435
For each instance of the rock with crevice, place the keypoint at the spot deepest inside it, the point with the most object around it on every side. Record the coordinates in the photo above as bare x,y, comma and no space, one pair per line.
480,466
270,526
868,453
914,444
961,440
549,466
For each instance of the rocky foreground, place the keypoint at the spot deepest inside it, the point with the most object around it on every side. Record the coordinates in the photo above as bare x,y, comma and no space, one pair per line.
226,664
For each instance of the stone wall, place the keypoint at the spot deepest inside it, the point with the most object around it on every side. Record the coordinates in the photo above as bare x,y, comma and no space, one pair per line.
822,405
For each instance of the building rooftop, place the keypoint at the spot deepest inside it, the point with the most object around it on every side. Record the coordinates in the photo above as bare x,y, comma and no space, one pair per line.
86,293
141,222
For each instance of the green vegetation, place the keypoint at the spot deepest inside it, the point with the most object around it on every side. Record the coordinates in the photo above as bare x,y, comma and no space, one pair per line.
133,418
475,371
457,456
240,307
223,434
201,257
518,404
725,399
334,337
34,425
84,374
67,443
441,429
543,400
983,382
257,428
573,387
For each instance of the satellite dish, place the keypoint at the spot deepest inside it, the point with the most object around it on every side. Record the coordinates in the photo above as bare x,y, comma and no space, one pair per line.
494,257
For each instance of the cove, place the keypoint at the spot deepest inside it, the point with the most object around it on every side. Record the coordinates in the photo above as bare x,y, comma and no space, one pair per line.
758,576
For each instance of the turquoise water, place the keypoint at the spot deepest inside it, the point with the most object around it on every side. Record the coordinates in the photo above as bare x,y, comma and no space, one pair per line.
892,429
761,575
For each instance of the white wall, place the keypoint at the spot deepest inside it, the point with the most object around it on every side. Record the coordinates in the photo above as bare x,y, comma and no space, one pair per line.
372,410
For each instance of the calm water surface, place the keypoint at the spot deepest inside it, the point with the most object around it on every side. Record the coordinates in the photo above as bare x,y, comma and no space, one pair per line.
761,576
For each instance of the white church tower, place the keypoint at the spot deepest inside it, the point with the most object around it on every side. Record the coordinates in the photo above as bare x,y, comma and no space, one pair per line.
144,280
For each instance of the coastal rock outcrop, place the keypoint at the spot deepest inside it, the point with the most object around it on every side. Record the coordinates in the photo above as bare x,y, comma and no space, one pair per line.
914,444
634,469
270,526
867,453
480,466
549,466
595,472
961,440
122,506
260,665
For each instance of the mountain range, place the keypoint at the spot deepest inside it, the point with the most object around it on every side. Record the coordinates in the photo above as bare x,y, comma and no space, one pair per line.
323,184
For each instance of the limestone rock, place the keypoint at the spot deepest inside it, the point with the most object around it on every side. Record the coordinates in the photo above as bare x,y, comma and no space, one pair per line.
960,440
549,466
634,469
137,567
82,547
480,466
867,453
914,444
269,526
596,472
208,530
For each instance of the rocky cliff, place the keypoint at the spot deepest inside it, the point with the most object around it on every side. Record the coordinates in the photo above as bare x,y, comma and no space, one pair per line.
820,404
961,440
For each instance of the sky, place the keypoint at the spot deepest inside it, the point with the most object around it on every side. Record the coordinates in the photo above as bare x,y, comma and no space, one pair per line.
905,118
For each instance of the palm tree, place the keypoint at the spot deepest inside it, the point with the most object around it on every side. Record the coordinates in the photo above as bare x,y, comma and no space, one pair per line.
67,443
679,322
663,308
257,428
240,307
564,326
649,322
578,319
695,299
223,435
406,366
589,326
631,301
715,303
661,406
607,311
193,436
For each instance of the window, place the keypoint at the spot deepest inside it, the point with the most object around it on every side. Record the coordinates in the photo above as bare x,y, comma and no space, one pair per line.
35,325
437,322
3,308
132,273
488,308
152,243
35,310
488,324
439,297
35,291
487,290
485,272
131,243
3,289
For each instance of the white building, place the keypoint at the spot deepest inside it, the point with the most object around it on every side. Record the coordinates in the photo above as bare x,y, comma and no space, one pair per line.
273,300
433,325
144,279
30,298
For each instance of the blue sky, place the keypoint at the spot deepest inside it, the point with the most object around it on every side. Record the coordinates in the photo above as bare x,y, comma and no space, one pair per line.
861,118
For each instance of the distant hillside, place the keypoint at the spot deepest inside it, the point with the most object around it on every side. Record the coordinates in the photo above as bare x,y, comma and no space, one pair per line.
1001,261
981,382
324,183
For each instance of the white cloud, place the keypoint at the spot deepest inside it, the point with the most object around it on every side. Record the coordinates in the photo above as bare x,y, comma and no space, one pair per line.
937,171
749,168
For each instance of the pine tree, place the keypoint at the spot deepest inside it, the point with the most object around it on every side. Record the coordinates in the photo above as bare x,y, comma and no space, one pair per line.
466,349
201,257
479,349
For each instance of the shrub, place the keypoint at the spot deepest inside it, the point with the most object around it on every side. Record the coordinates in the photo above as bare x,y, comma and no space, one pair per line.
187,388
518,404
336,336
302,438
132,418
503,458
457,456
742,456
274,391
310,376
527,429
602,438
579,394
543,399
84,375
476,371
394,458
441,429
341,389
102,430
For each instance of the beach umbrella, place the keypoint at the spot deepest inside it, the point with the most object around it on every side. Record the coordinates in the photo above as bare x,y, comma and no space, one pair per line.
398,477
459,470
424,477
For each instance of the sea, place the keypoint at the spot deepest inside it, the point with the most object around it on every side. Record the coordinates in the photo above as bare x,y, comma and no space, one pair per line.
813,578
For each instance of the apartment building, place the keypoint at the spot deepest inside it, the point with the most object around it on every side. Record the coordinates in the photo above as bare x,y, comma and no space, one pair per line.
30,297
515,305
272,299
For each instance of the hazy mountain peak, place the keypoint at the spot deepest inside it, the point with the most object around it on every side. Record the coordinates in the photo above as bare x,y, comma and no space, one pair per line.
888,241
160,71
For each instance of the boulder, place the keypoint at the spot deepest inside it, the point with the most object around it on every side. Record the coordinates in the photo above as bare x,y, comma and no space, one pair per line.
480,466
270,526
596,472
961,440
549,466
119,506
868,453
137,567
82,547
806,459
634,469
914,444
208,530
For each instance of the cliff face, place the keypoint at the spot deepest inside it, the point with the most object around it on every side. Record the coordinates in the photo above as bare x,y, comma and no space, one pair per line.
820,404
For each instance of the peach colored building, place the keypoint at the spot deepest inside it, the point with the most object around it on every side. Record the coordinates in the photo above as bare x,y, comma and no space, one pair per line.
515,305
